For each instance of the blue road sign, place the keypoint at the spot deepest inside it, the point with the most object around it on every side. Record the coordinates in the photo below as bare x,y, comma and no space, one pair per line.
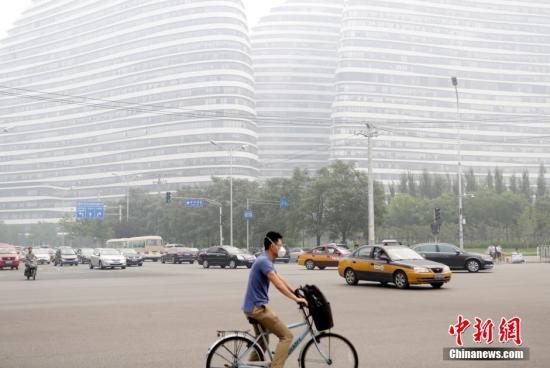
90,210
283,203
248,214
193,203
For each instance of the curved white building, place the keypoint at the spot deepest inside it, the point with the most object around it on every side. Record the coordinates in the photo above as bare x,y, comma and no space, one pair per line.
100,95
396,59
294,52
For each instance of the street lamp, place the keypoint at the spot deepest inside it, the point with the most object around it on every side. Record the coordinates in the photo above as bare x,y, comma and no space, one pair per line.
231,149
454,81
370,133
127,193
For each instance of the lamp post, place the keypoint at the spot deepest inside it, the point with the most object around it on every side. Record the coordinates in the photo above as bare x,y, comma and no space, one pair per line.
231,149
454,81
370,133
127,193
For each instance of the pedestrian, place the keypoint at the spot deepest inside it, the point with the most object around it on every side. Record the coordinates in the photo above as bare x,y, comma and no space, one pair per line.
256,302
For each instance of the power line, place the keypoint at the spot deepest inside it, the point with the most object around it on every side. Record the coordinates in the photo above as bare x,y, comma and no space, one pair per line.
278,120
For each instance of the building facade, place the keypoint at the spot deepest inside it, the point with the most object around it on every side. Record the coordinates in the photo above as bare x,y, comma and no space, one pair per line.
294,52
99,96
396,60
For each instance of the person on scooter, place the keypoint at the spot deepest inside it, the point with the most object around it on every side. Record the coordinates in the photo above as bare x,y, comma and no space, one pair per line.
30,261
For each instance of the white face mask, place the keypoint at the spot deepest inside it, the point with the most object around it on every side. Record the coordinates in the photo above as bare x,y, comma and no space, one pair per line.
281,252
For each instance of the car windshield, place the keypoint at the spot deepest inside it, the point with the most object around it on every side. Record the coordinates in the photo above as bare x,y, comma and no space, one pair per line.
110,252
42,251
399,254
129,251
67,252
7,250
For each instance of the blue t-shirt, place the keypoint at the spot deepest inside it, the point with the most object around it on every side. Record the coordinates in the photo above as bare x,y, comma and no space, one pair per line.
258,283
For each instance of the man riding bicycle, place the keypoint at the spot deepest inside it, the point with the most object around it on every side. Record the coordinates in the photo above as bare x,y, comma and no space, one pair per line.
256,298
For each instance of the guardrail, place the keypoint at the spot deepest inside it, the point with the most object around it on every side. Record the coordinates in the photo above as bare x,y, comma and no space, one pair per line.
543,252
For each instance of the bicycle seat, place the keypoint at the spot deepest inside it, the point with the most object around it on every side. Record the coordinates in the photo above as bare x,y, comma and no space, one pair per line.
252,321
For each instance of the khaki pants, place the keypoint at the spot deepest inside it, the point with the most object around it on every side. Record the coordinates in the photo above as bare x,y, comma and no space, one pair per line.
270,322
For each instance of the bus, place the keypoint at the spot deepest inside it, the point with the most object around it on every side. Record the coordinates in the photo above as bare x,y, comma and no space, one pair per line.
117,243
150,247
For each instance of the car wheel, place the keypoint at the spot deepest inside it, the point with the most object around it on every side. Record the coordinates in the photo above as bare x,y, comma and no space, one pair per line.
472,265
123,267
140,264
322,267
309,264
191,262
383,283
437,285
222,266
351,277
76,264
91,266
163,261
101,265
287,261
248,266
400,280
232,264
205,264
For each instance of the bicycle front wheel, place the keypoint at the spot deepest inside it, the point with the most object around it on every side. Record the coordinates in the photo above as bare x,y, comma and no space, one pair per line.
226,352
329,350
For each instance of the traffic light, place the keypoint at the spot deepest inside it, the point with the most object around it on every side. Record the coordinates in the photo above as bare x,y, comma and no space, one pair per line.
168,197
437,216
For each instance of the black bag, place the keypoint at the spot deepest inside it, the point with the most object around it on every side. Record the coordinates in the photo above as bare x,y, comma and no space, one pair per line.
319,307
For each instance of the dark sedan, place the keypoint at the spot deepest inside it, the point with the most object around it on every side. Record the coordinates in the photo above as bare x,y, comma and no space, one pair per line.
454,257
225,256
133,258
179,255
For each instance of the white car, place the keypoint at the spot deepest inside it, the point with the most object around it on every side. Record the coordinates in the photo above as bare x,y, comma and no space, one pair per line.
517,258
42,255
107,257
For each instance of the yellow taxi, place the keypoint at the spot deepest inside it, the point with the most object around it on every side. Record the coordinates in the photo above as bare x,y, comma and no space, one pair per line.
399,265
322,257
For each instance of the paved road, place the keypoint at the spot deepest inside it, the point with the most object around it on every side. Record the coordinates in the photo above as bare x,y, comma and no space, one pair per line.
167,315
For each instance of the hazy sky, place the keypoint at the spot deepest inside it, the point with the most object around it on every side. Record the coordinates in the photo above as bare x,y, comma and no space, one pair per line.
12,9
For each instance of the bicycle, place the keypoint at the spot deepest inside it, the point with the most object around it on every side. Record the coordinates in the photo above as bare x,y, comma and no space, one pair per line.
322,349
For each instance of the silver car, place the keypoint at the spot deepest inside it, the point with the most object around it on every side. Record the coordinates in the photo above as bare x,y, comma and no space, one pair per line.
107,258
42,255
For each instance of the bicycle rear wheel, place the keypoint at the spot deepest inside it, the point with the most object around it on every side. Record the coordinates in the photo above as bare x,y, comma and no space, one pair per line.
331,350
226,352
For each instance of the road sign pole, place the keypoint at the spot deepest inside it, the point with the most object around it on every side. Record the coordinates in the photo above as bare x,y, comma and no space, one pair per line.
247,227
221,227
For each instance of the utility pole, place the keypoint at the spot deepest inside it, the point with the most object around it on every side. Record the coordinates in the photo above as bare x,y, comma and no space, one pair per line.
370,133
454,80
247,227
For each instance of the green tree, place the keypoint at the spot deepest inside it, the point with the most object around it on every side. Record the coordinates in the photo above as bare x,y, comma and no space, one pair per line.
541,182
514,183
499,181
471,182
426,185
525,185
489,180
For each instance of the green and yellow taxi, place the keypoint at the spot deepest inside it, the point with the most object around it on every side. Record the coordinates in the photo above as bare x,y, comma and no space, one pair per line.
399,265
